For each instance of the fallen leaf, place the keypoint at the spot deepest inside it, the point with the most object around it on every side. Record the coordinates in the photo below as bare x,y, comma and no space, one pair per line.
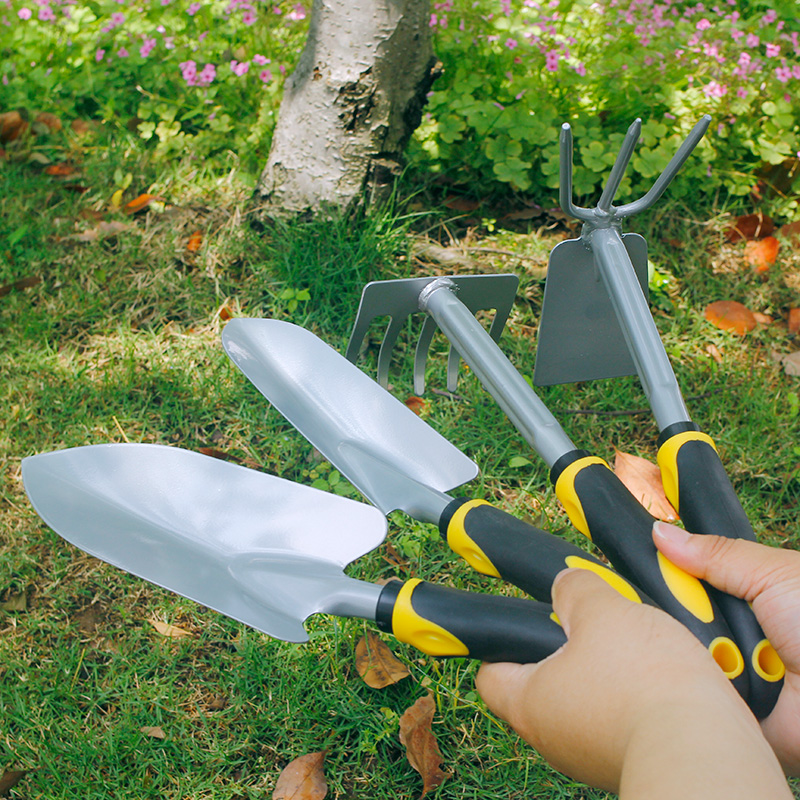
116,199
141,202
217,703
643,480
9,779
102,231
750,226
195,241
448,256
728,315
50,121
23,283
791,230
170,631
762,253
422,750
713,351
12,126
155,732
794,320
791,364
302,779
60,170
525,213
457,203
89,618
377,664
15,602
80,126
762,319
417,404
225,312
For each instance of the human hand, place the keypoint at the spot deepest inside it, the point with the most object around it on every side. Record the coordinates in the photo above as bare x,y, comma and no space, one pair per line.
769,578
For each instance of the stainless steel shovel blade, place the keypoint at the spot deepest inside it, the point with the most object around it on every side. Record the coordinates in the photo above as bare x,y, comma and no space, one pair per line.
383,448
580,338
244,543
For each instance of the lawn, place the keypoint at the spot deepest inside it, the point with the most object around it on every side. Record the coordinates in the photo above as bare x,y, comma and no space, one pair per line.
110,321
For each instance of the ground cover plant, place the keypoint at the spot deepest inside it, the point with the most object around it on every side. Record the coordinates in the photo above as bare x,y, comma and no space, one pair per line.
120,266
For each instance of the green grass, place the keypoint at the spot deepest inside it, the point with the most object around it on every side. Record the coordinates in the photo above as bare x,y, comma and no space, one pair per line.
119,341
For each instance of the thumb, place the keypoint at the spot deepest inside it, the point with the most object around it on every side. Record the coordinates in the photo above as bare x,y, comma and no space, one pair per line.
736,566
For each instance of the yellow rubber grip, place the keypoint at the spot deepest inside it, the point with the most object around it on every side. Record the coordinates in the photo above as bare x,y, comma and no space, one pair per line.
668,462
728,656
565,492
427,636
461,543
687,589
767,663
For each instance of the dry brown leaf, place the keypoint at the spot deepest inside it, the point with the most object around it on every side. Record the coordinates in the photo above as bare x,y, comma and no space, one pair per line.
60,170
422,750
49,120
791,364
12,126
791,230
195,241
9,779
156,732
377,664
141,202
714,352
750,226
794,320
417,404
761,254
457,203
22,283
15,602
80,126
730,316
643,480
170,631
302,779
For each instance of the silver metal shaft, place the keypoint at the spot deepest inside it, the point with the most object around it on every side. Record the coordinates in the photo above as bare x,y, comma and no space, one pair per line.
498,375
640,332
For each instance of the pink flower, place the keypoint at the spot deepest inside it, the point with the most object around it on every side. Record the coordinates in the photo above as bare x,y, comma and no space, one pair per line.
741,92
796,70
122,53
265,76
46,14
714,89
193,9
147,47
773,50
297,13
752,40
249,17
24,13
703,25
783,74
189,72
551,60
99,55
240,68
769,17
260,60
511,43
581,69
207,74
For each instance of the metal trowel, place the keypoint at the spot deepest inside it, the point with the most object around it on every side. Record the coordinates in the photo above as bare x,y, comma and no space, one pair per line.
263,550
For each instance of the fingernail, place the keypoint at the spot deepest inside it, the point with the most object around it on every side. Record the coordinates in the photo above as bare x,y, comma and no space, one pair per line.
670,533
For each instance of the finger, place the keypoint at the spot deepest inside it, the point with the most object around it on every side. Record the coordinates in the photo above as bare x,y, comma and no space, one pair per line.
503,685
735,566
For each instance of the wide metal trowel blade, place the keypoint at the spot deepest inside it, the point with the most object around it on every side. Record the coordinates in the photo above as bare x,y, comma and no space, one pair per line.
580,338
380,445
192,524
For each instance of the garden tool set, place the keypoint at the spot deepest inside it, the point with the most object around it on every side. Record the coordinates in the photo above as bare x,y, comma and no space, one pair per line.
270,553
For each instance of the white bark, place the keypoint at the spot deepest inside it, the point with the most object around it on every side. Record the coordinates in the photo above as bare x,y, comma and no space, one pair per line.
350,105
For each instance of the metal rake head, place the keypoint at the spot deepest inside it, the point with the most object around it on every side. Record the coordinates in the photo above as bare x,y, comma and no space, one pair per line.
398,299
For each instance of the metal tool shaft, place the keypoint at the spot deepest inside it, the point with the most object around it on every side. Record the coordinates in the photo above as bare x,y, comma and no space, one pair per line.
638,328
498,375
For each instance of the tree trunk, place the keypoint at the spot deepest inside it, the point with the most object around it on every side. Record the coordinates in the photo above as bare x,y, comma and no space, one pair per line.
350,106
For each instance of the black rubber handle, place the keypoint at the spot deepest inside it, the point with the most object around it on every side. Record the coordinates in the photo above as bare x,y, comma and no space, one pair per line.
441,621
498,544
600,506
697,485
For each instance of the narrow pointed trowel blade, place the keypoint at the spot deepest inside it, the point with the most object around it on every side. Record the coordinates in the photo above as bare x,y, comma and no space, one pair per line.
381,446
265,551
579,336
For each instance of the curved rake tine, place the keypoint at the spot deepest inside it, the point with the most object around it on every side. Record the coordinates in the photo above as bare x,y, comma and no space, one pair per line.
421,353
620,165
357,338
385,353
453,363
665,178
565,178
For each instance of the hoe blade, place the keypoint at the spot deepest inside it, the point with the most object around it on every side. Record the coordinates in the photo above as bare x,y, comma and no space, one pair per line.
580,338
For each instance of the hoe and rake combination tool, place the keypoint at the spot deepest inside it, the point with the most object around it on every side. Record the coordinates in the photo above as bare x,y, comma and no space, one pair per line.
598,324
